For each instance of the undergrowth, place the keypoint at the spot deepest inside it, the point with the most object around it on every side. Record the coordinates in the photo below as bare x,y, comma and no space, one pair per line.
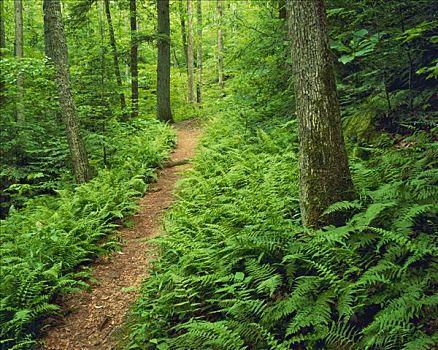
238,271
42,244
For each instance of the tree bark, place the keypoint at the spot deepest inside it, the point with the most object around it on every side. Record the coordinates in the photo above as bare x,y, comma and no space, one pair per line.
59,55
199,51
183,30
220,45
164,112
190,58
115,59
324,174
2,47
134,59
19,53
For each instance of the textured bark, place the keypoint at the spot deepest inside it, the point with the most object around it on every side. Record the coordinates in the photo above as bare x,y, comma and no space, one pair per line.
164,112
182,16
324,174
59,55
190,57
220,45
134,59
19,53
199,51
115,59
2,47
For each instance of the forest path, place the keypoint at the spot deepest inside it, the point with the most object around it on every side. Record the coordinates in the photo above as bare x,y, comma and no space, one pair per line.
93,316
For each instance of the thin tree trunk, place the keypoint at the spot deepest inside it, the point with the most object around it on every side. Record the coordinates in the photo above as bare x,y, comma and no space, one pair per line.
134,59
47,43
190,58
2,47
199,51
324,174
220,45
102,74
58,44
116,59
182,14
164,112
19,53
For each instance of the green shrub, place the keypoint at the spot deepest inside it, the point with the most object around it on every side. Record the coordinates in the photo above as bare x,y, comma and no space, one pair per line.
42,244
238,271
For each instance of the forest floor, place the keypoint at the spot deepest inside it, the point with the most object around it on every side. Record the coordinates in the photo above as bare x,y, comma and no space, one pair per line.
92,318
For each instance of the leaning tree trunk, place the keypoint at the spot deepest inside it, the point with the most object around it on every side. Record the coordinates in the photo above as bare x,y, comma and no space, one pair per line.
190,58
164,112
220,45
324,174
134,59
59,55
199,51
116,59
19,53
2,46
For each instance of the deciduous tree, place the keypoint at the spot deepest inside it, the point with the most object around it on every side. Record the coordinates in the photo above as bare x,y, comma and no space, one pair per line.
164,111
55,37
115,59
19,53
190,57
324,174
199,51
220,45
134,58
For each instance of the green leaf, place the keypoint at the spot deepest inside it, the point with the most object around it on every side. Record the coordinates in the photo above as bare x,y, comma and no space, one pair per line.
346,59
239,276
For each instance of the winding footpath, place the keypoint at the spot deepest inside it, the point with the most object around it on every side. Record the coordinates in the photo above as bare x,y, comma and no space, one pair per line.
92,318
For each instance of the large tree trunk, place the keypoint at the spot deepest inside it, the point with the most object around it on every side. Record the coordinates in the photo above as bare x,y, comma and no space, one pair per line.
324,174
182,16
134,59
59,55
2,47
19,53
164,112
116,59
199,51
190,58
220,45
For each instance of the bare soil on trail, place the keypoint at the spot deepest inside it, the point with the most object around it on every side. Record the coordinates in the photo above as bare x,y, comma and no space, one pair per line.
92,317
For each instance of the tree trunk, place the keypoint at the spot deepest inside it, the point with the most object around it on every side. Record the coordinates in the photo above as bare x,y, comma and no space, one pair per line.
164,112
220,45
47,43
134,59
190,58
199,51
183,30
324,174
19,53
2,47
59,55
116,60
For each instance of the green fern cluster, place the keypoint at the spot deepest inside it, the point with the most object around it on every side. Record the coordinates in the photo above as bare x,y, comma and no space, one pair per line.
42,244
238,271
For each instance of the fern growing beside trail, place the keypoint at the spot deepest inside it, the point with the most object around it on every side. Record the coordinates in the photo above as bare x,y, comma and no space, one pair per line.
238,271
42,244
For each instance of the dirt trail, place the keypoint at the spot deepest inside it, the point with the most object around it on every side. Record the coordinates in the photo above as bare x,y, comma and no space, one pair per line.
94,316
